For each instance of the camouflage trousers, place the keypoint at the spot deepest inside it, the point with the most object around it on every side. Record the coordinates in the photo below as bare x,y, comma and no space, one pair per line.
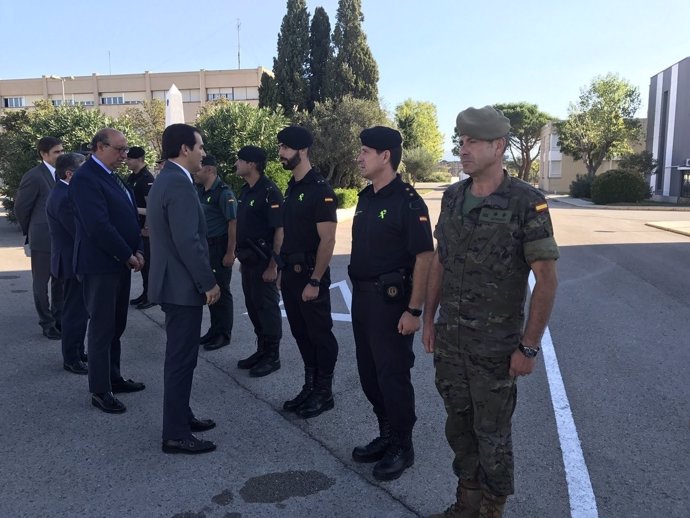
480,397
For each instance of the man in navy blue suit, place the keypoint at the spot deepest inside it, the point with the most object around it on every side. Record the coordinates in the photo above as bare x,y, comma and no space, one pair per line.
107,248
62,231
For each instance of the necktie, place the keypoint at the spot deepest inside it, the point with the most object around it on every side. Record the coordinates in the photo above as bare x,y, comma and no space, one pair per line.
121,184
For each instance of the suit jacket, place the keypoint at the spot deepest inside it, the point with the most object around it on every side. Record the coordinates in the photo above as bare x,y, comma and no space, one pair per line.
30,206
180,269
62,231
107,228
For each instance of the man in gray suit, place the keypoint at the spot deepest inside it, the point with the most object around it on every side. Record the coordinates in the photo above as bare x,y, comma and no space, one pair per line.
30,210
181,281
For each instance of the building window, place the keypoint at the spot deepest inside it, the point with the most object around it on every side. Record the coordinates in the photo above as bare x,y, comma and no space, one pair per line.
219,93
555,169
115,99
13,102
56,102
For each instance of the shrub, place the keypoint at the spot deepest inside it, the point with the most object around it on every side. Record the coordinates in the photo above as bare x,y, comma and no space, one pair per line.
346,197
581,187
280,176
618,185
436,177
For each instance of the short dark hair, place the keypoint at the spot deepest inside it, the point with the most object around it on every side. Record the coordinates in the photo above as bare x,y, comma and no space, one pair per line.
48,143
396,156
260,166
177,135
68,162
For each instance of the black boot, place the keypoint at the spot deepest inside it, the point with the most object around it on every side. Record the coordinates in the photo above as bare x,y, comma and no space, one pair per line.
253,359
321,398
398,457
375,450
269,361
309,375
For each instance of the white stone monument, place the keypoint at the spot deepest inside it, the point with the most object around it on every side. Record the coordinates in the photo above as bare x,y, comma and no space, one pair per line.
174,112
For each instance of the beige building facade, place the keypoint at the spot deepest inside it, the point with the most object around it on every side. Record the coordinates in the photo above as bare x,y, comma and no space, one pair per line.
112,94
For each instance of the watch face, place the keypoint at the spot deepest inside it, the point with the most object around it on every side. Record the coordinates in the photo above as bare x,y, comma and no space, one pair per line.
529,352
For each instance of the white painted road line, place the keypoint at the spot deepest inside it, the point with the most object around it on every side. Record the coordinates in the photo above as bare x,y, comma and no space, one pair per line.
582,501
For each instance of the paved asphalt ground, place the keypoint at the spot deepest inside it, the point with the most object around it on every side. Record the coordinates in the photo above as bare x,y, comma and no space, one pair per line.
620,331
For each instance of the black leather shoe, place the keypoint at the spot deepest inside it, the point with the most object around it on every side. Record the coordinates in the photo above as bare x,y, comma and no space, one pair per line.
145,304
138,300
318,402
216,343
201,425
51,333
249,362
372,452
396,460
108,403
77,367
191,446
267,364
206,338
123,385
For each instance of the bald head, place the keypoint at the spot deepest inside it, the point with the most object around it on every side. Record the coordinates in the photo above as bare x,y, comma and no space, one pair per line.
110,147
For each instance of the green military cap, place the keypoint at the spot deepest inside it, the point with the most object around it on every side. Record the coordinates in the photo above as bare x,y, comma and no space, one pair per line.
486,123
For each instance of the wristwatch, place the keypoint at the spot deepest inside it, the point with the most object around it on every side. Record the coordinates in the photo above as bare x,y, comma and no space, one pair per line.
414,312
529,352
314,282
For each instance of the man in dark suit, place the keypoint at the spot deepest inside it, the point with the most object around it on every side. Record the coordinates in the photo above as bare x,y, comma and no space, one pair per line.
30,210
107,248
140,181
62,230
181,281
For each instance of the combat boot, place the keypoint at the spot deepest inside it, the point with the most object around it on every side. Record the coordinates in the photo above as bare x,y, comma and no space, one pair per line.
269,361
491,506
321,398
253,359
468,497
376,449
398,457
292,404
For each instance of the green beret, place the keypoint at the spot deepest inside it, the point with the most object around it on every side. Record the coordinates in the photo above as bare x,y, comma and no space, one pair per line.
252,154
486,123
295,137
381,138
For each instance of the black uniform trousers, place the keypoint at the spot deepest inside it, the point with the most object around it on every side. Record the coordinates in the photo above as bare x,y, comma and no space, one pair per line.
147,265
384,356
310,322
49,310
261,299
75,318
106,296
222,311
182,328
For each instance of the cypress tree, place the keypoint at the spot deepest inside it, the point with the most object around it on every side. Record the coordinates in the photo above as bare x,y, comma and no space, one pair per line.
291,64
268,92
355,70
320,56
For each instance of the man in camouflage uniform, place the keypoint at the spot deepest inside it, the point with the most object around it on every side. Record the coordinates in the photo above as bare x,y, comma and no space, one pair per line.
493,230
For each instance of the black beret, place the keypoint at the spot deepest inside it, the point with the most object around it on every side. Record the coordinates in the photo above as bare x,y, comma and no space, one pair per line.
486,123
381,138
136,152
208,160
252,154
295,137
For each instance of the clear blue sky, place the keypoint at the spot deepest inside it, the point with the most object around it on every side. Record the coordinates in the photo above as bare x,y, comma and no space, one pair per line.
452,53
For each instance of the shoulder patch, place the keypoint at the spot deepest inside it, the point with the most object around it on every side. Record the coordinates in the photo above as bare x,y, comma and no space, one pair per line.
541,207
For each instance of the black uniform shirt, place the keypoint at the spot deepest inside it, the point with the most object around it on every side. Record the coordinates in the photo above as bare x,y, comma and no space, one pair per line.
307,202
219,207
140,183
258,211
389,229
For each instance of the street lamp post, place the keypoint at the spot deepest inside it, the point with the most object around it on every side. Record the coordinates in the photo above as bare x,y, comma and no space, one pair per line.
62,80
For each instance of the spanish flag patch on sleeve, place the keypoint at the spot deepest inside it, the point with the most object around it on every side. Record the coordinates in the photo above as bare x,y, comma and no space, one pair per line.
328,200
541,207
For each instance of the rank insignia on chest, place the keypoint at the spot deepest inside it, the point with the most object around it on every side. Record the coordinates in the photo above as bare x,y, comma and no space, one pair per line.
489,215
328,200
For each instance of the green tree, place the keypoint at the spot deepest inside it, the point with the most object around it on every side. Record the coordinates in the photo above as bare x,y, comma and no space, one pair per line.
526,121
336,126
355,72
148,121
227,126
419,163
642,162
290,66
320,56
20,131
601,124
268,92
418,123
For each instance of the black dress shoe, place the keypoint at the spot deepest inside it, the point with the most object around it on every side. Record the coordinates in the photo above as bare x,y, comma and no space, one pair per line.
123,385
216,343
108,403
138,300
201,425
51,333
77,367
145,304
191,446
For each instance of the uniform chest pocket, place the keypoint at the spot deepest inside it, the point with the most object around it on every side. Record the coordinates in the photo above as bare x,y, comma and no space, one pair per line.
497,248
